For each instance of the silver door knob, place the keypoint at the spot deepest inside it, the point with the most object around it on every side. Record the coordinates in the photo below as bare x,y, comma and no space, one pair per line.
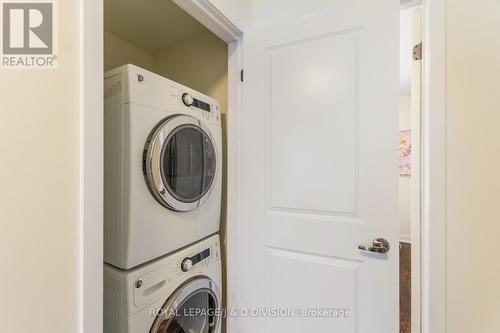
379,245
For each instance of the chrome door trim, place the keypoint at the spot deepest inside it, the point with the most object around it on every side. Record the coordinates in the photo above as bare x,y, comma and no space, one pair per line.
177,299
152,162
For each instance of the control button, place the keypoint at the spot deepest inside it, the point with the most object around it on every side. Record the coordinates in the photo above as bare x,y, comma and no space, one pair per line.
187,99
186,264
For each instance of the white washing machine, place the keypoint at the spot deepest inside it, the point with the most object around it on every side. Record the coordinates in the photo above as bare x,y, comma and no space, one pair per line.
163,166
177,293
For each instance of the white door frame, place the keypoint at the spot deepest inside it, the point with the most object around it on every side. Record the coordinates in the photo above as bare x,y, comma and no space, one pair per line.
433,236
91,159
91,167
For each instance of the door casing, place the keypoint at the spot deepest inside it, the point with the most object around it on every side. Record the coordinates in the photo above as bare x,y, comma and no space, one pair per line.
91,160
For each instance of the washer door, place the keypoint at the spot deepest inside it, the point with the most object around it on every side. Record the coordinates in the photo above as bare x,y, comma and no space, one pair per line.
180,163
194,307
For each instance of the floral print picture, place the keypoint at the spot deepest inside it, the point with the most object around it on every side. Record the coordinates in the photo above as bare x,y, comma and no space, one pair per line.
405,153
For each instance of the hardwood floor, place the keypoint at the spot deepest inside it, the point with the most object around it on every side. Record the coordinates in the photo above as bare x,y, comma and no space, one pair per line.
404,287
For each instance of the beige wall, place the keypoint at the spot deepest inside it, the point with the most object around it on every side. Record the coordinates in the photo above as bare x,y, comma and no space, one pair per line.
118,52
39,190
473,159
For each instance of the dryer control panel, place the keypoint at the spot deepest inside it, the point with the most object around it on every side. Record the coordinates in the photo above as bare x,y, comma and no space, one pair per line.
207,111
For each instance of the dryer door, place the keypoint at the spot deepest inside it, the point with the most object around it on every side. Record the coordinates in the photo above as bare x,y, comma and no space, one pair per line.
180,162
195,307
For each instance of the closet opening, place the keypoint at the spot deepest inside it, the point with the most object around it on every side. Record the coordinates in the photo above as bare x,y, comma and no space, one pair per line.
145,41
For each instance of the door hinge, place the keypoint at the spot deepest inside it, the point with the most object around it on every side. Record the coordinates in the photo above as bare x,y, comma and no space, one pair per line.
417,51
241,75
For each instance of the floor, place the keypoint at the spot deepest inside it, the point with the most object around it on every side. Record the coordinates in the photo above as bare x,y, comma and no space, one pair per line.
404,287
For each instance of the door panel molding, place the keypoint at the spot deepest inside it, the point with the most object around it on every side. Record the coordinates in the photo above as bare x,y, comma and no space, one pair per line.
286,276
286,71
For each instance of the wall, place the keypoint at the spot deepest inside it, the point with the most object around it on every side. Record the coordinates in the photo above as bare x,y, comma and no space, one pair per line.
405,181
472,159
39,191
119,52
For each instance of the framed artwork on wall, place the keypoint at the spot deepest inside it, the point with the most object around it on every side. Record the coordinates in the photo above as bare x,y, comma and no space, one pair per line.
405,153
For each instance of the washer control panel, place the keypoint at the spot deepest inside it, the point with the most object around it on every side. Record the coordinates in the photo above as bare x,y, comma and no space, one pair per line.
189,100
189,262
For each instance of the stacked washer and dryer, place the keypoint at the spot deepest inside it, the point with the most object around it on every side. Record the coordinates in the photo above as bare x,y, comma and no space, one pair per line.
162,199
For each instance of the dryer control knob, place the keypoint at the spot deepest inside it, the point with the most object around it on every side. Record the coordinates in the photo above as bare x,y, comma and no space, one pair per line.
186,265
187,99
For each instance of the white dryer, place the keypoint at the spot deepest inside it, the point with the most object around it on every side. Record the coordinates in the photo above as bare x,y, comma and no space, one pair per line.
177,293
163,166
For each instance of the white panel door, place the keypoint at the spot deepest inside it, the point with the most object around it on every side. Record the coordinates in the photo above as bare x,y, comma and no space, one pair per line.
319,172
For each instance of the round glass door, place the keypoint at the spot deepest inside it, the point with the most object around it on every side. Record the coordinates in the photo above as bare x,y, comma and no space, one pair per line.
188,163
194,308
180,163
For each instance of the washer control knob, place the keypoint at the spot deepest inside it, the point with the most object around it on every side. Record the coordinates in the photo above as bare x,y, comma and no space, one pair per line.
186,264
187,99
